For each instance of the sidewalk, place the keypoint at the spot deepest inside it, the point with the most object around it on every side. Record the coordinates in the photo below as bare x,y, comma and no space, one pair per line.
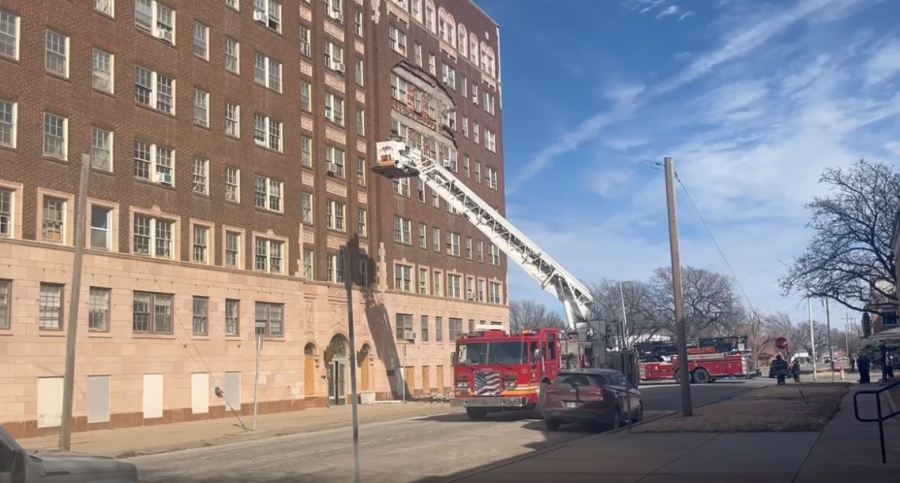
845,450
163,438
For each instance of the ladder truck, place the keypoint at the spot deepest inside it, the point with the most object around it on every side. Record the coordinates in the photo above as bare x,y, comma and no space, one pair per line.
585,342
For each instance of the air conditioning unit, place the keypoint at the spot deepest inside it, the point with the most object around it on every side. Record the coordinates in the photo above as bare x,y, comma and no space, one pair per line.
471,296
331,168
260,16
338,66
409,335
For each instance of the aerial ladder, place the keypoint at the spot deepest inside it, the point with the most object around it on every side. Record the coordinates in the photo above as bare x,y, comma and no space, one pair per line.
584,346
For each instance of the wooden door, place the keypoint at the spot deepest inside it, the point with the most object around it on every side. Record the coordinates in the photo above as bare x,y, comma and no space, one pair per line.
439,378
409,374
364,374
309,375
426,379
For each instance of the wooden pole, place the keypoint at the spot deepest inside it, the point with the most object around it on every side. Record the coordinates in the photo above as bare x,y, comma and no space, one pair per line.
678,293
349,261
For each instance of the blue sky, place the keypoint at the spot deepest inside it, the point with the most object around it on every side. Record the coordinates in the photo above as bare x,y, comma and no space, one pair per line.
752,99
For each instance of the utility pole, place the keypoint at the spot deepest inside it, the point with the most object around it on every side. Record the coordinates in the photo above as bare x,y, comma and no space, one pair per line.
847,323
828,327
812,338
349,261
624,318
678,293
256,380
65,429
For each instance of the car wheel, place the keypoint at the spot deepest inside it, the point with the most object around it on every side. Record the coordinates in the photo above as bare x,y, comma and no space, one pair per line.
551,424
476,414
639,414
615,421
701,376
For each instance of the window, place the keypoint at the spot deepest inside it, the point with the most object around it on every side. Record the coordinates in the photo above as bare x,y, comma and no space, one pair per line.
306,156
358,23
305,41
466,164
100,227
399,87
5,286
439,329
267,132
8,123
494,293
492,178
490,140
56,136
101,149
267,72
449,157
453,243
429,16
309,264
436,239
233,120
268,193
448,76
454,286
362,222
335,9
360,121
465,126
201,244
232,317
489,103
152,313
468,248
432,64
201,40
201,108
51,307
435,199
402,230
476,133
334,267
422,280
397,38
233,4
334,109
423,236
480,251
305,96
403,278
424,328
437,283
334,158
154,163
361,171
417,54
54,223
156,19
56,60
474,93
154,90
6,213
495,255
481,290
201,176
404,323
153,237
334,56
360,72
201,316
232,249
306,208
477,172
102,71
335,214
455,328
232,55
269,255
9,35
268,14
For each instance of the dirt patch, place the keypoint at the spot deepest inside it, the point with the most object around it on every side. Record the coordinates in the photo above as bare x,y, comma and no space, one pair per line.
790,408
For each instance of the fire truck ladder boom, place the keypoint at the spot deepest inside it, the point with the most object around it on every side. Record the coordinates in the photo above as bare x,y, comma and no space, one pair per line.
397,160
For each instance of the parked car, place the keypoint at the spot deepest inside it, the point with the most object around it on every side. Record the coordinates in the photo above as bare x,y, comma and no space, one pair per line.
593,396
19,466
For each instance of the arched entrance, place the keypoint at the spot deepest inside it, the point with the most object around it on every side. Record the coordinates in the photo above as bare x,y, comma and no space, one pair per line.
309,370
336,358
363,362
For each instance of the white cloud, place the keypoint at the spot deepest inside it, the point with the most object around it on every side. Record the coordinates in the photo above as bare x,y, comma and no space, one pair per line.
610,182
685,15
884,63
670,10
737,101
893,147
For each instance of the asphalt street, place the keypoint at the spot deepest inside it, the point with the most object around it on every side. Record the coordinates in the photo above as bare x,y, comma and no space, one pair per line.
396,451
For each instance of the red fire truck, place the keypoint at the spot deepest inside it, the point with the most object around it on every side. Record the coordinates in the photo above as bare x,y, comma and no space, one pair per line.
494,371
708,359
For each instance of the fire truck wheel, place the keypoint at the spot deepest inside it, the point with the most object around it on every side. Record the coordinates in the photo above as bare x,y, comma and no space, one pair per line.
476,414
678,377
551,424
542,400
701,376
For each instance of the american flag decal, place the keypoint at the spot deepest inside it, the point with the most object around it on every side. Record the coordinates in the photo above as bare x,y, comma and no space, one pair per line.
487,383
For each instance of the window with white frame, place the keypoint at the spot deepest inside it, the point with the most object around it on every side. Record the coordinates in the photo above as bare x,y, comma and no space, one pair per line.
201,41
430,16
201,176
495,256
232,55
8,121
305,96
268,14
401,186
494,293
402,278
490,140
448,76
469,250
361,171
453,244
466,166
399,88
480,251
9,35
334,267
56,59
481,290
334,109
449,157
232,184
306,208
233,4
154,90
269,319
7,204
53,226
201,244
106,7
334,56
268,193
465,126
101,149
102,70
360,121
153,236
306,156
51,307
5,286
232,317
397,39
477,172
420,190
454,286
475,93
422,281
309,264
305,41
334,159
98,312
156,19
154,163
362,221
335,9
492,180
436,239
232,249
437,283
56,136
423,236
435,199
152,313
267,72
489,104
269,255
335,215
415,8
201,107
358,23
417,54
360,73
101,217
402,230
476,133
267,132
233,120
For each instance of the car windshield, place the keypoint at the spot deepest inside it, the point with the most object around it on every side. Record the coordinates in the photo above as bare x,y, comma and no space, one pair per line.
492,353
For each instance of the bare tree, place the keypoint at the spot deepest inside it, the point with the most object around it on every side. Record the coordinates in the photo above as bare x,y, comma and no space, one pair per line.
711,306
527,314
850,256
644,320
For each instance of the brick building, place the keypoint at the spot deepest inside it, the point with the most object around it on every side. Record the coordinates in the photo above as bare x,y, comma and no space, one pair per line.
230,144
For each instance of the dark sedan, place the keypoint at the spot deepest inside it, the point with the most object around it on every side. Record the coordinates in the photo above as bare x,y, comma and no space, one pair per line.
593,396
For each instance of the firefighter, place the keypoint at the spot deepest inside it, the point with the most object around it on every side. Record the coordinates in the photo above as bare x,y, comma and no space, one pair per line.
780,368
864,364
795,370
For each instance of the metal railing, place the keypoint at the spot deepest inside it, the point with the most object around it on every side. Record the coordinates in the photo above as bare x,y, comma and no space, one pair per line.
881,417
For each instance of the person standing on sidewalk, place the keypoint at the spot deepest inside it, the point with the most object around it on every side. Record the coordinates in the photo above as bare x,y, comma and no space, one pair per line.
795,370
888,364
864,364
780,368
